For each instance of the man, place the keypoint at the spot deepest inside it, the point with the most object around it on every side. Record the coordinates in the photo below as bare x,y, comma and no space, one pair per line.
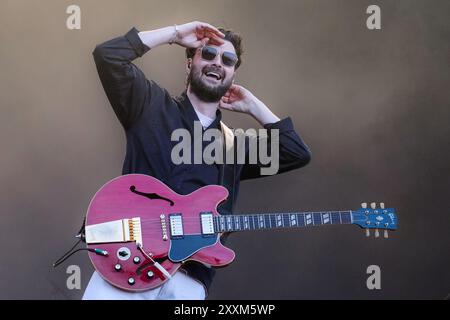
149,115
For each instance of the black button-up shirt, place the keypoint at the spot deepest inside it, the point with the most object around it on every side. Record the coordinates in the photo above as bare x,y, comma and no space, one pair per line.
149,115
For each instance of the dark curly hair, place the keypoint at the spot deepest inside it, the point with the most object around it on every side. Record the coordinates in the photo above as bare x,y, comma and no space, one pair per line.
234,38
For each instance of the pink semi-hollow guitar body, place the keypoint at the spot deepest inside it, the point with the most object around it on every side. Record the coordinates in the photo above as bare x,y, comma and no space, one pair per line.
142,196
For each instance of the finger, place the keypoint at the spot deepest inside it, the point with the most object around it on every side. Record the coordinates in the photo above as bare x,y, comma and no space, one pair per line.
204,41
214,30
216,41
225,106
199,43
208,30
234,87
199,32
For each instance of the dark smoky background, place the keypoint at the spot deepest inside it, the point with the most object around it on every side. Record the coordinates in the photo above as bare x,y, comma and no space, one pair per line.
373,105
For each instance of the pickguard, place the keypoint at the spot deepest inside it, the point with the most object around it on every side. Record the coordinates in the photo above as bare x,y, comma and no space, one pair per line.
183,248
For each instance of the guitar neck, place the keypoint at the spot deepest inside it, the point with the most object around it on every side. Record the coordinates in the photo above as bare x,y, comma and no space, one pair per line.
247,222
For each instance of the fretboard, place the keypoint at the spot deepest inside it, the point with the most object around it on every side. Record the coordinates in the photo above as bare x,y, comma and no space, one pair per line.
231,223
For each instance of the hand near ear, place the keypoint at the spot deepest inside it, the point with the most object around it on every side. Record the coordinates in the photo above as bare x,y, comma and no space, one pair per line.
237,99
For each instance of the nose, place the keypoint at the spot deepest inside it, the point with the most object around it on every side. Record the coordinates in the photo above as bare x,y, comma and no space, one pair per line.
217,61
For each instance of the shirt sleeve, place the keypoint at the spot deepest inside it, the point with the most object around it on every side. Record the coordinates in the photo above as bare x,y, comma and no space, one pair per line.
293,152
124,83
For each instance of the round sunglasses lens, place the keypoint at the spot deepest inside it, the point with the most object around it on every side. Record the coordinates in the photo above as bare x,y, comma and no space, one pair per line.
209,53
229,59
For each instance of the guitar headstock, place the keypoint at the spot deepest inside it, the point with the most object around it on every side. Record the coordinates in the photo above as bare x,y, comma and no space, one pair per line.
375,218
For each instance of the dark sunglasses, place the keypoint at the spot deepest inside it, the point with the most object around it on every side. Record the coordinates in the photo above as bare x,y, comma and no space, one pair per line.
228,58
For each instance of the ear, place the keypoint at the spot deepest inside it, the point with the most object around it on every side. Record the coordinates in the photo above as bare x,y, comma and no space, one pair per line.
188,64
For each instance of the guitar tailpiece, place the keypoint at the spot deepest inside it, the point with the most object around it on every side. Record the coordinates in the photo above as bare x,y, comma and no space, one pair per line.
155,263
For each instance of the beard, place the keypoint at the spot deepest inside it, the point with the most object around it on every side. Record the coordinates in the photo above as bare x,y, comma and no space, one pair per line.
204,91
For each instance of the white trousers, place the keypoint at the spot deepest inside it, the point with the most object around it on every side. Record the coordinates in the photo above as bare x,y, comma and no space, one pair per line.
179,287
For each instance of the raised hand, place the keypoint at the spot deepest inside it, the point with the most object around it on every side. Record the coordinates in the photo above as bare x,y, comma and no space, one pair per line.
196,34
239,99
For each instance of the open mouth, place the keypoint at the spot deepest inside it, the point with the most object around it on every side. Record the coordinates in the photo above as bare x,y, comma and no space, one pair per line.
214,75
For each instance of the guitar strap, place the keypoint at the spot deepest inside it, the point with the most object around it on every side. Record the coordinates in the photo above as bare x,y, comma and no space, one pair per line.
227,176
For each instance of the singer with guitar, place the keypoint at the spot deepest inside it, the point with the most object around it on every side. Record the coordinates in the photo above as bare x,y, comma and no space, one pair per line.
149,115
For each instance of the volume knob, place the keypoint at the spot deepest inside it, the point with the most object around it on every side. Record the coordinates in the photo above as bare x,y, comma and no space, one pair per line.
118,267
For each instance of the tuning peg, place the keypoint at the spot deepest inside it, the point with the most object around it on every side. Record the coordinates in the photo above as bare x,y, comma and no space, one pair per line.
377,233
382,205
373,205
367,232
364,205
386,234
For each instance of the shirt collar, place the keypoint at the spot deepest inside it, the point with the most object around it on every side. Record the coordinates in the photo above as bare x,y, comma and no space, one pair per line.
186,103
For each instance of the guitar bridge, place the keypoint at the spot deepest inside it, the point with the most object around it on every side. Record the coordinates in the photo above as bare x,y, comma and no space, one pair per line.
124,230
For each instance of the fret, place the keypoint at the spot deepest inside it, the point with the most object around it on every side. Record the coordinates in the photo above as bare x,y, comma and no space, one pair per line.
286,220
246,224
229,225
216,225
236,223
273,220
301,220
278,220
326,218
345,217
293,222
317,220
335,218
308,219
266,220
252,221
222,224
261,222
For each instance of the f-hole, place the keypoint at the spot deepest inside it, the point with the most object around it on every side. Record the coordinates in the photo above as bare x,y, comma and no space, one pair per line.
151,196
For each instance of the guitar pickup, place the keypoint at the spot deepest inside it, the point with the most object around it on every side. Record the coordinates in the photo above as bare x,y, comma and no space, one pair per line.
176,226
207,222
124,230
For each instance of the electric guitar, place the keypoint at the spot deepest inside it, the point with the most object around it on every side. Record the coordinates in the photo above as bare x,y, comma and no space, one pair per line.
139,232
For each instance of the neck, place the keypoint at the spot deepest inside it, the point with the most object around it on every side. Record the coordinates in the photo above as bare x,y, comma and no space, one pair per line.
206,108
230,223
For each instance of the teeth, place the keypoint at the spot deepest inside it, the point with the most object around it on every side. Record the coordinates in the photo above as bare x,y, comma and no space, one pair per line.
216,75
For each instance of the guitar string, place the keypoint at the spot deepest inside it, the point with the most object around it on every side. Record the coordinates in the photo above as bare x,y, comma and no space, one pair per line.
254,215
156,223
255,226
